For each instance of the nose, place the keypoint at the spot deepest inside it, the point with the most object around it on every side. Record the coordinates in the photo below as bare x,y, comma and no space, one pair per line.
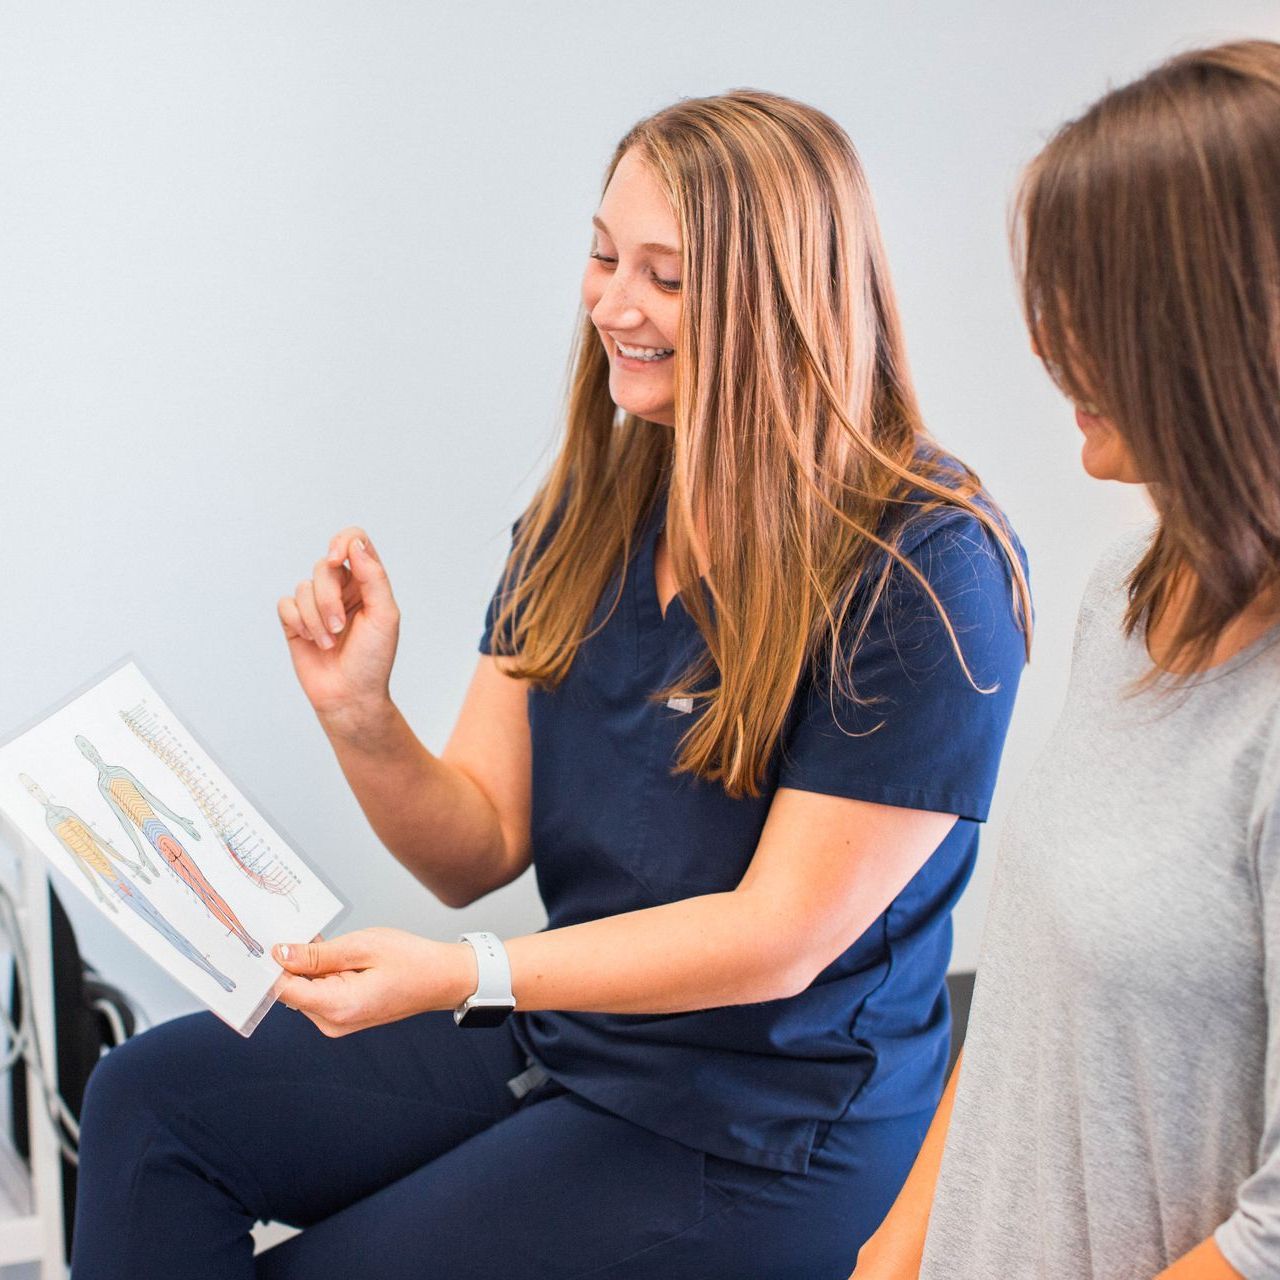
614,308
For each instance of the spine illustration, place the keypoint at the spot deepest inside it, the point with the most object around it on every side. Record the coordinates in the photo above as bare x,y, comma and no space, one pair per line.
252,854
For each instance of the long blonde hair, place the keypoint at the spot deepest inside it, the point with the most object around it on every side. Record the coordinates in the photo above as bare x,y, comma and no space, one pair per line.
1148,238
796,427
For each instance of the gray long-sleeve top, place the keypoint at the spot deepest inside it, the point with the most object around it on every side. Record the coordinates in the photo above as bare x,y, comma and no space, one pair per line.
1119,1098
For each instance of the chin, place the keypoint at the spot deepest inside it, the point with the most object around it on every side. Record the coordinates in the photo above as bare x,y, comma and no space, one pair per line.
1102,464
662,418
1104,454
1094,466
650,408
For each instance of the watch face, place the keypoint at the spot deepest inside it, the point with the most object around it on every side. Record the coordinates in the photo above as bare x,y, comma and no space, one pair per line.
481,1015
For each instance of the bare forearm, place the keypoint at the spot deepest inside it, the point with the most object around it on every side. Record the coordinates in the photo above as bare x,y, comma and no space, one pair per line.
430,815
897,1248
819,877
699,953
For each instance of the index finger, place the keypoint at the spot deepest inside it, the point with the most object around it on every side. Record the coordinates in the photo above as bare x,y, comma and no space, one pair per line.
312,996
329,582
340,543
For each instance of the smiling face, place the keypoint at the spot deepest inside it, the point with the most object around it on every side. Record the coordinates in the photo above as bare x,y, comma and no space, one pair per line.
631,289
1105,455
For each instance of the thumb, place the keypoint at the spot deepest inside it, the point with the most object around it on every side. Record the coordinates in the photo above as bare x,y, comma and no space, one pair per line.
311,959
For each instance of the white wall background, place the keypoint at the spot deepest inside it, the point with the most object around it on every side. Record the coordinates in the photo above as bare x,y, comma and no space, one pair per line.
267,269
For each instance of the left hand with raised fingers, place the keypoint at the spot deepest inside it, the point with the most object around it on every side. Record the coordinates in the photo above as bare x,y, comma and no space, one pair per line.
372,976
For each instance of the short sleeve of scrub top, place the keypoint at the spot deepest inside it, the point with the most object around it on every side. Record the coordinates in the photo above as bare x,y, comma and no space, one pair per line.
614,829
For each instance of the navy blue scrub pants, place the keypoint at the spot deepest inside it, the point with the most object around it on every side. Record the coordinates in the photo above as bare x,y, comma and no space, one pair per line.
403,1155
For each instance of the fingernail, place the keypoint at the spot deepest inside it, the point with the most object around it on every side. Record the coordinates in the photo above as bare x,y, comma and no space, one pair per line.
282,951
335,624
326,642
359,544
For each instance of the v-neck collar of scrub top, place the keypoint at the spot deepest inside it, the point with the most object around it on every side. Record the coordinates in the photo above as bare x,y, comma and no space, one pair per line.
649,615
664,645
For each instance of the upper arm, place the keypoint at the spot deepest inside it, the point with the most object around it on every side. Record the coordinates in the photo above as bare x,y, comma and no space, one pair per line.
490,744
923,729
870,785
827,866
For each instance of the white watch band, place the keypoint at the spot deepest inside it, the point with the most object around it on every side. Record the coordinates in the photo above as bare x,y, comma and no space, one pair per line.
492,999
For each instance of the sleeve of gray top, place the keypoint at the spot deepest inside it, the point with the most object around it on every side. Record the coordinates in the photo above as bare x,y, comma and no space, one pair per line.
1250,1237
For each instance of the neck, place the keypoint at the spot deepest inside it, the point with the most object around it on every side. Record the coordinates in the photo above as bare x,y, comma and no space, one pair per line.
1252,622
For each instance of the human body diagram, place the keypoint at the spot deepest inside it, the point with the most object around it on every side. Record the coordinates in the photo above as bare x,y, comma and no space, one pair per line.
141,812
97,859
252,854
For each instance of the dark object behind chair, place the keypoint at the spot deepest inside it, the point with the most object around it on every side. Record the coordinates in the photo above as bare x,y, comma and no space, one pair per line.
83,1032
960,989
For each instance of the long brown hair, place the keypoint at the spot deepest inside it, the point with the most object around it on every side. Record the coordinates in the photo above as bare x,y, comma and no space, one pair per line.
1148,238
796,426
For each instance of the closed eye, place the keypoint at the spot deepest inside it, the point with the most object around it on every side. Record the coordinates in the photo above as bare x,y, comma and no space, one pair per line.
667,286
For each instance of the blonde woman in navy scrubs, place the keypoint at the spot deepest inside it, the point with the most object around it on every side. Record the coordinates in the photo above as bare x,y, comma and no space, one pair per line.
743,692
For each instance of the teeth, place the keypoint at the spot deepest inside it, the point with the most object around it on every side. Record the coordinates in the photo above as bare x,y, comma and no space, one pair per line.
644,353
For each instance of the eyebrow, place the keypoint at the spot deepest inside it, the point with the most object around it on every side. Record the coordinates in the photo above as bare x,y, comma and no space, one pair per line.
651,246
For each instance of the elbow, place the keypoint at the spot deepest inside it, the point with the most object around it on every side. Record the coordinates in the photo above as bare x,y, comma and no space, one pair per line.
786,953
463,893
452,892
477,877
454,899
791,972
459,892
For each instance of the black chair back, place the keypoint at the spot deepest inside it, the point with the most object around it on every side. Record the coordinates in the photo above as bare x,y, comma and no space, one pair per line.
960,989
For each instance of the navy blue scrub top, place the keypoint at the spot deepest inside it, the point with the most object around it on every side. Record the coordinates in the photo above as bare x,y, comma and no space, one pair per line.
614,830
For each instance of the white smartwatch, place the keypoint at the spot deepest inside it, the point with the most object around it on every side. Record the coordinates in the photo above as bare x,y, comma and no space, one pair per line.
492,1002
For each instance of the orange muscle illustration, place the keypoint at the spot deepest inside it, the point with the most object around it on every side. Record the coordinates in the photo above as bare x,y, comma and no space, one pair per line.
140,811
77,838
96,859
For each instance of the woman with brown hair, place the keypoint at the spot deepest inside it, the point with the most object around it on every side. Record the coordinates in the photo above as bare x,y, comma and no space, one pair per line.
744,689
1117,1113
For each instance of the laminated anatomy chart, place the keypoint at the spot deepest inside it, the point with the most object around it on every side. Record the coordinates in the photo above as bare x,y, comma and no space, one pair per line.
119,796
